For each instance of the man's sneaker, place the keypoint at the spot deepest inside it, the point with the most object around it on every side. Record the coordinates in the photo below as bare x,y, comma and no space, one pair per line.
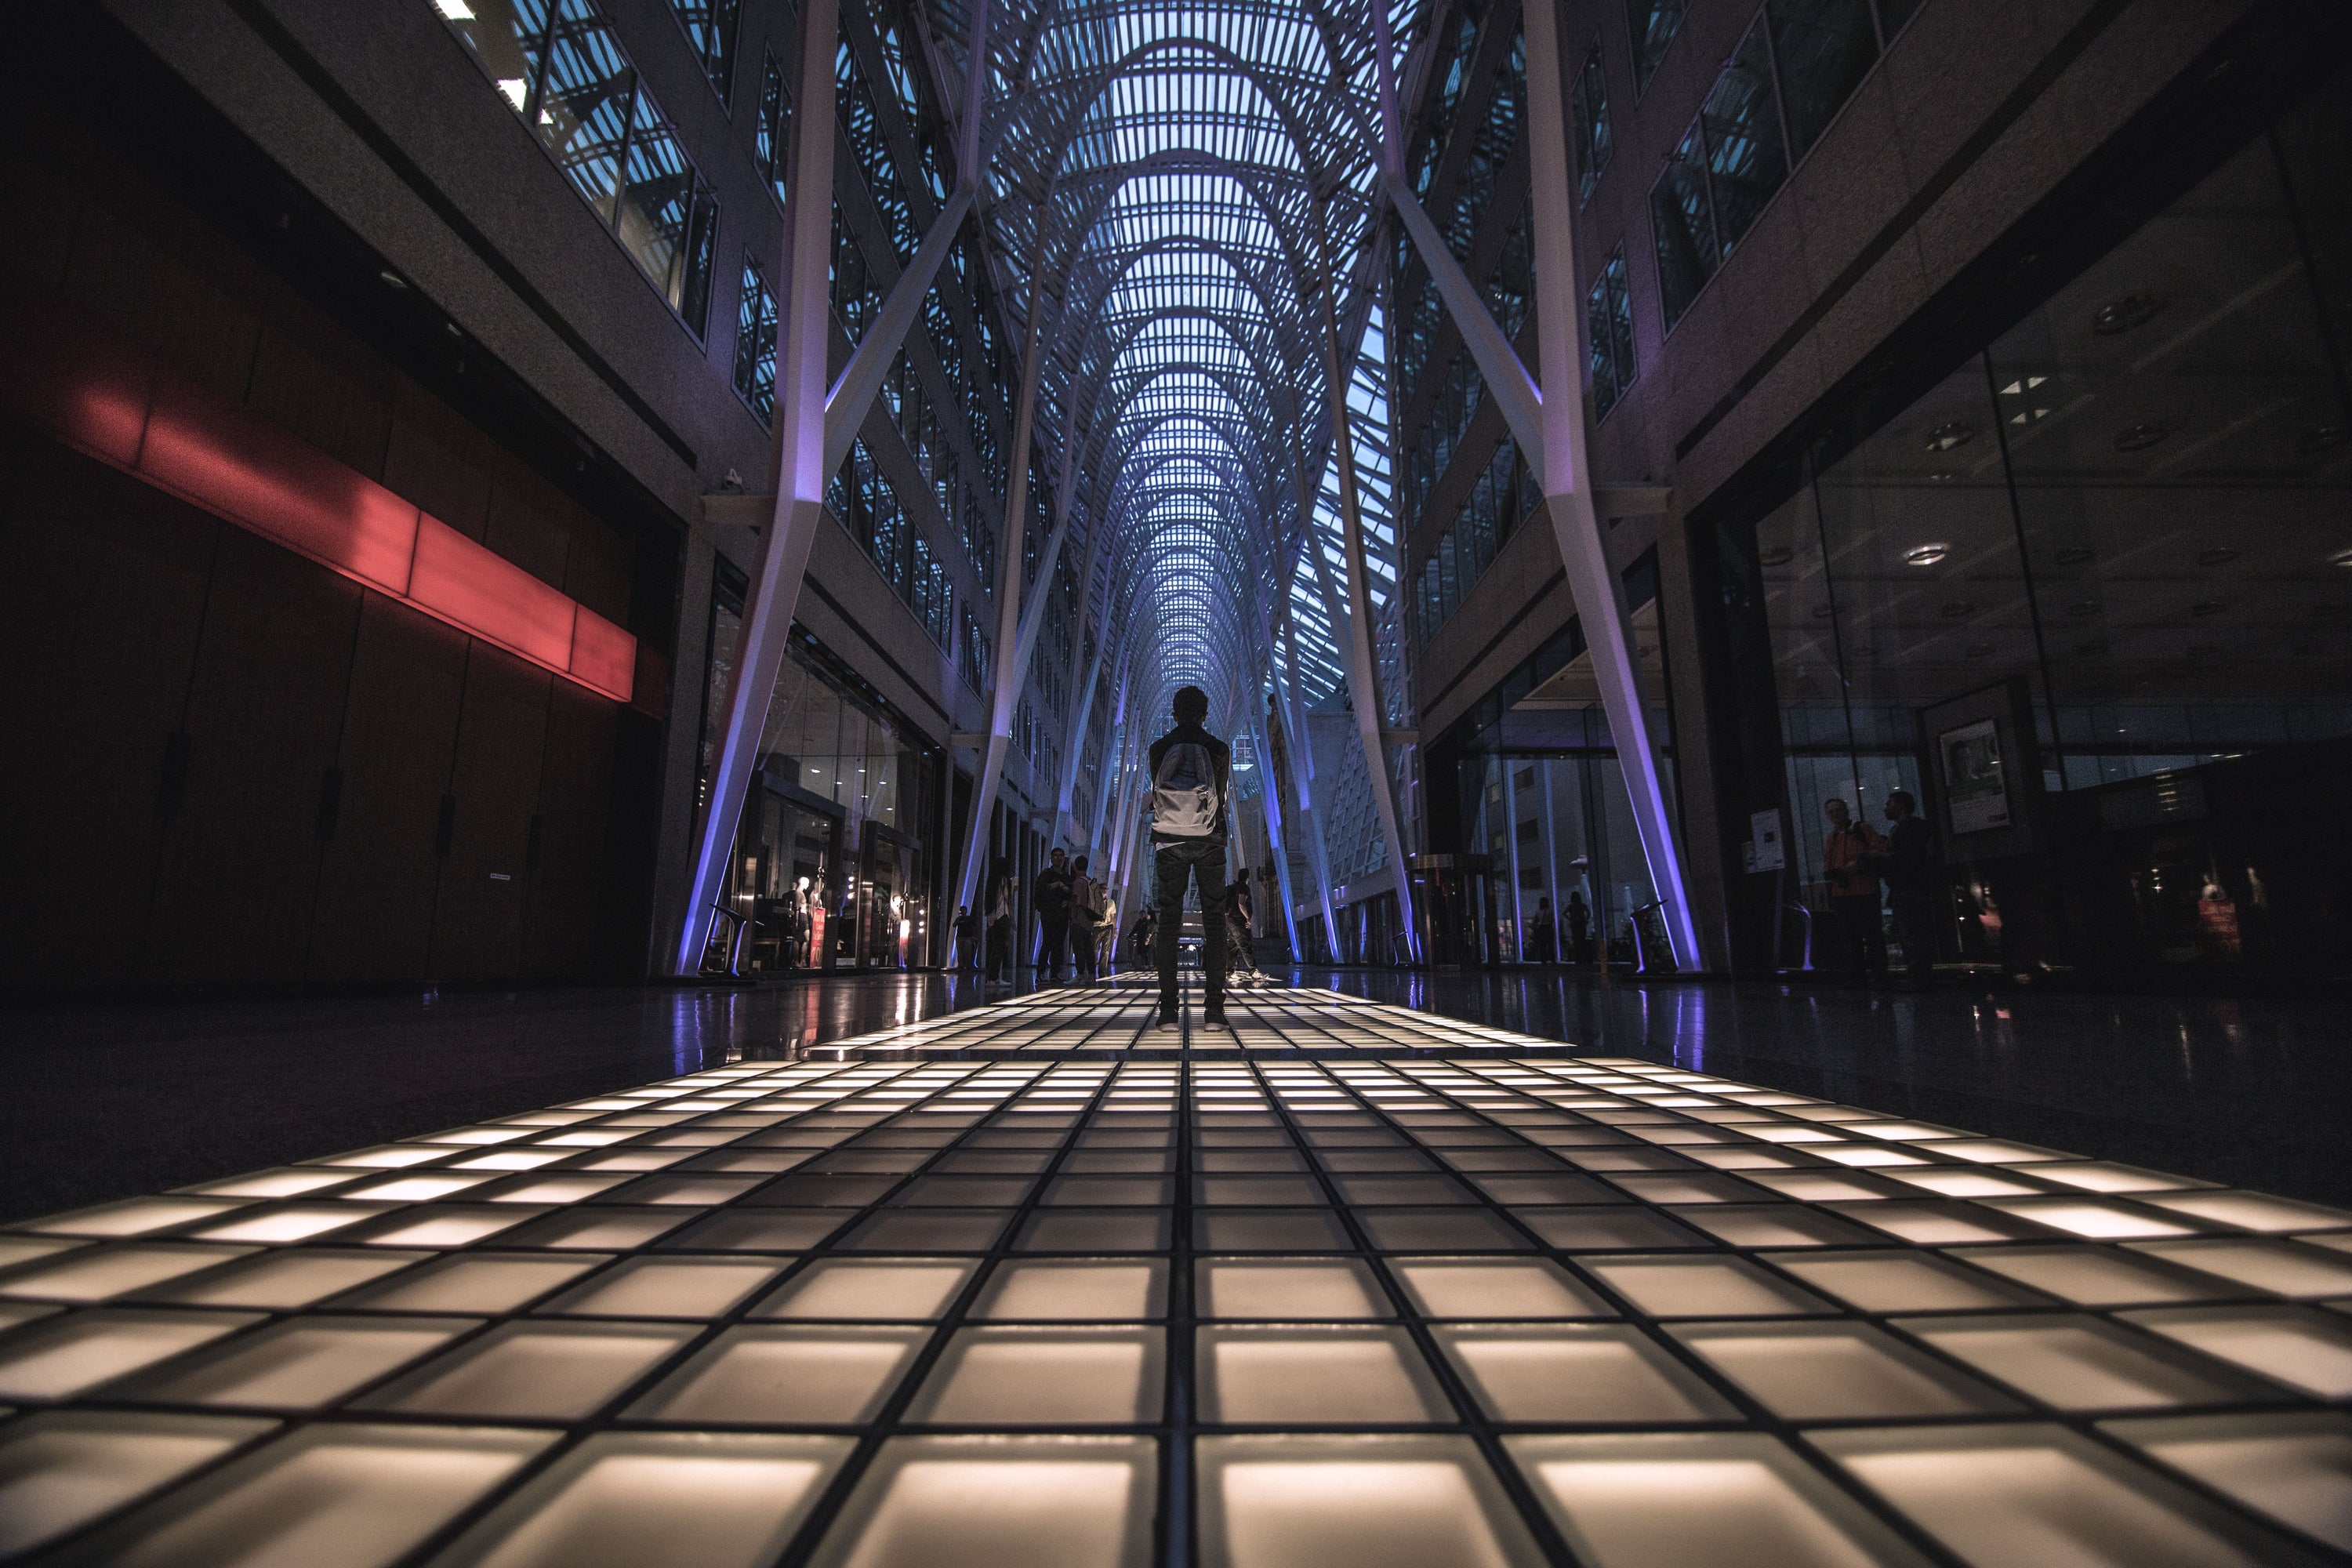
1215,1017
1167,1021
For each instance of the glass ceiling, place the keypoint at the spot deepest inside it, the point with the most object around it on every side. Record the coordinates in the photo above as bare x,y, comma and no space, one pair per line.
1184,179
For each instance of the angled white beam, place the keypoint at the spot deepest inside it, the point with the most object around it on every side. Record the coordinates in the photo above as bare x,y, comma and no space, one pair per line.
805,329
1498,363
1115,746
1567,486
1007,682
1547,419
1075,730
1363,671
846,407
861,379
1301,752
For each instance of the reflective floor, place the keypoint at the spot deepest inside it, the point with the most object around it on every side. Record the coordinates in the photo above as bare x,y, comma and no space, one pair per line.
2251,1093
1346,1284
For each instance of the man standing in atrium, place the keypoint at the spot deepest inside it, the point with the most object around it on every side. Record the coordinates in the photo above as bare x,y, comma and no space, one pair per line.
1191,772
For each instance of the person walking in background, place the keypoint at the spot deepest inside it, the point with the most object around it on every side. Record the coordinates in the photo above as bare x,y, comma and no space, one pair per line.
1851,858
1240,916
1911,887
1192,771
1086,916
1580,928
967,938
999,930
1107,933
1052,897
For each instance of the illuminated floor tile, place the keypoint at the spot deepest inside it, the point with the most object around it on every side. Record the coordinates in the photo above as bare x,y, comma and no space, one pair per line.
1404,1289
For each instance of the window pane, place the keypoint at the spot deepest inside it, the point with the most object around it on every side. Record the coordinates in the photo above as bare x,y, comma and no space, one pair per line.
1825,48
1591,120
656,201
710,27
584,113
755,342
1685,229
1745,161
1654,24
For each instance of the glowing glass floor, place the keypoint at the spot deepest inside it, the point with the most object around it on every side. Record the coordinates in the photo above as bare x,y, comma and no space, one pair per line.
1346,1286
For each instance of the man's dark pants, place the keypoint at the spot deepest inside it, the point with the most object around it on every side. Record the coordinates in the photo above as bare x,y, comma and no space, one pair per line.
1862,933
1915,927
1203,860
1055,945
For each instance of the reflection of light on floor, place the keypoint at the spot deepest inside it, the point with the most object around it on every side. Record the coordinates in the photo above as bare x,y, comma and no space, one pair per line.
1413,1290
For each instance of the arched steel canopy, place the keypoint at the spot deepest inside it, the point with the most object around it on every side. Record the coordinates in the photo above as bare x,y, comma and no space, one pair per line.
1183,181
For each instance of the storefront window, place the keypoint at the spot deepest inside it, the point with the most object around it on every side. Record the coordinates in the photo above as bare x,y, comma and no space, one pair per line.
834,859
2120,531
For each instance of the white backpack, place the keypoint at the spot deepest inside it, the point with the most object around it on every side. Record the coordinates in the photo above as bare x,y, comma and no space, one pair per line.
1185,799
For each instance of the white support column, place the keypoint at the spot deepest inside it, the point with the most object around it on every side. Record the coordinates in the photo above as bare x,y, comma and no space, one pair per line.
1550,854
1082,700
1007,681
1546,416
1568,484
1511,856
1115,745
1301,752
1277,844
805,328
1363,675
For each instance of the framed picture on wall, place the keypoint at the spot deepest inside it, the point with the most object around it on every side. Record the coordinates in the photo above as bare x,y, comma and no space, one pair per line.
1976,788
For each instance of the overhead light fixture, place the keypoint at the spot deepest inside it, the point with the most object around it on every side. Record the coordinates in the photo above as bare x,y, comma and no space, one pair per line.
1927,554
456,10
1951,434
1778,555
2139,437
2120,316
393,279
2323,438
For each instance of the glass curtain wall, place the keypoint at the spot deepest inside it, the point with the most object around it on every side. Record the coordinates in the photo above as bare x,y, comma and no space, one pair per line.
1539,812
2134,509
833,861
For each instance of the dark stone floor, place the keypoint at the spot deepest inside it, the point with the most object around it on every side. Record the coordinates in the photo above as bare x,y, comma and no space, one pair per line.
104,1101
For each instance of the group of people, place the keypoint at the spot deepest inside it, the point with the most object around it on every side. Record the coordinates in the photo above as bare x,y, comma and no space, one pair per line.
1077,916
1192,775
1856,858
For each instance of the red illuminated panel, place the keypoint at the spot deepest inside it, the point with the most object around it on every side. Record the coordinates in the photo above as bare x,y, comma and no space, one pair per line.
228,462
93,397
473,586
123,409
603,655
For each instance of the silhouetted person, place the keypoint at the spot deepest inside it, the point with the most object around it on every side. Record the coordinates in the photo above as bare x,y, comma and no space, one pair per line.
1580,928
1911,887
1086,916
999,930
1240,915
1542,935
1191,772
967,938
1052,893
1851,858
